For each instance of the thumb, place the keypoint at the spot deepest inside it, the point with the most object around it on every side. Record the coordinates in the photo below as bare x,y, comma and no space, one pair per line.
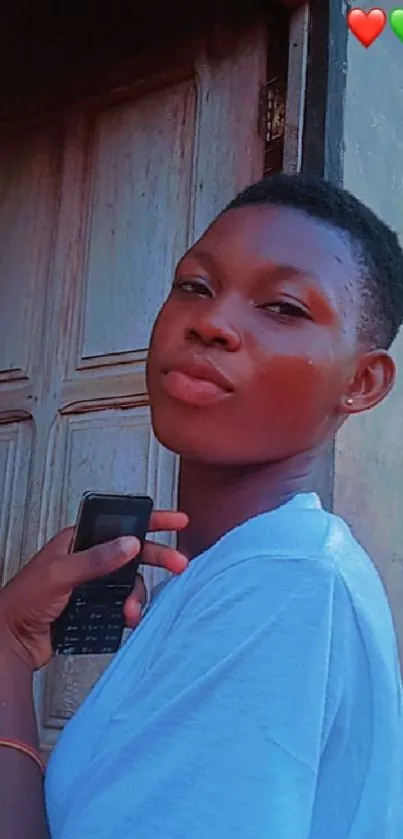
102,559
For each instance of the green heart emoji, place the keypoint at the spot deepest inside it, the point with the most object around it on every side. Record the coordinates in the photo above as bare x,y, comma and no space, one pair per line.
396,22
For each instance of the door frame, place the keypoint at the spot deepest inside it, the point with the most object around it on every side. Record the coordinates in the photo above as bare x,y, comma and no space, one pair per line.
323,128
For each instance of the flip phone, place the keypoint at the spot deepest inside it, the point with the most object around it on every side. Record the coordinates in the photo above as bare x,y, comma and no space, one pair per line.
92,622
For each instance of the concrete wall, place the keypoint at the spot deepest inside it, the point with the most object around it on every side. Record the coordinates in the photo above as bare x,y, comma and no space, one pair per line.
368,489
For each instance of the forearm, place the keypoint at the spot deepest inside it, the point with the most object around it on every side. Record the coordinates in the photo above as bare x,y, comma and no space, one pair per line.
22,805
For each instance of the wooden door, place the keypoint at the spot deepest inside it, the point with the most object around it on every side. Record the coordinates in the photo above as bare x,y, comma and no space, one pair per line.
95,209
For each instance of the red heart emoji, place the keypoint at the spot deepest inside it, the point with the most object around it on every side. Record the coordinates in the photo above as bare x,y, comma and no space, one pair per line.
366,26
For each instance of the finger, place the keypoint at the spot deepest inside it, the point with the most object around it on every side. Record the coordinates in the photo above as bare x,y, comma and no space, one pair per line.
162,520
61,542
132,611
134,604
102,559
139,593
163,556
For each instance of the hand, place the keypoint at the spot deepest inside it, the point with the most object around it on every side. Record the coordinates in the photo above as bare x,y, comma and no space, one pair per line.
157,555
36,596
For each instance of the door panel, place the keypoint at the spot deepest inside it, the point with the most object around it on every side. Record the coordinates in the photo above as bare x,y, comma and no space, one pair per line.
28,181
15,452
229,152
140,151
138,175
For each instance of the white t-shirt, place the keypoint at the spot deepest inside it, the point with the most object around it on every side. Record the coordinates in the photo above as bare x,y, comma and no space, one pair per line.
260,698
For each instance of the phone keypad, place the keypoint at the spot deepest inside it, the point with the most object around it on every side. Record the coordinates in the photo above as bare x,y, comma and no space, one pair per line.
92,623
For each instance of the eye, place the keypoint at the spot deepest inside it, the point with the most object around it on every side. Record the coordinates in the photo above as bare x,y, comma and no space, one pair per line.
286,309
191,286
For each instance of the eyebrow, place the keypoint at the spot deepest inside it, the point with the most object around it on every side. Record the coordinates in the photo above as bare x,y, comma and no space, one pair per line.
210,262
313,282
204,257
283,272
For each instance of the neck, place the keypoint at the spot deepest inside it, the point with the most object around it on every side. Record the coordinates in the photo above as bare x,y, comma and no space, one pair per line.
217,499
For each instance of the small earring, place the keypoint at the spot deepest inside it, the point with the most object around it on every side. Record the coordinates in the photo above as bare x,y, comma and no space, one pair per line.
349,400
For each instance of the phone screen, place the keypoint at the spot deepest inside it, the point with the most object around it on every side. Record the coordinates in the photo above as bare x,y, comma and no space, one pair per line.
108,526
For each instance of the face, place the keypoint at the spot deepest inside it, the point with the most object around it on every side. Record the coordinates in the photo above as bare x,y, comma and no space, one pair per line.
254,356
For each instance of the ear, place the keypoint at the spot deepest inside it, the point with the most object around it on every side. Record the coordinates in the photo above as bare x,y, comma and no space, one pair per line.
373,380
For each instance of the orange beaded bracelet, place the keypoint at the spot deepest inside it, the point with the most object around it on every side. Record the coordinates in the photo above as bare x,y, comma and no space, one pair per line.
26,750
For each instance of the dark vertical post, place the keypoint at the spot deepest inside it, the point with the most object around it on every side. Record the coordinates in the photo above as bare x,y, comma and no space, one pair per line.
322,149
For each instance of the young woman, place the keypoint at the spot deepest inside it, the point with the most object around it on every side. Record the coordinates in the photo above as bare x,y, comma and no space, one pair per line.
260,697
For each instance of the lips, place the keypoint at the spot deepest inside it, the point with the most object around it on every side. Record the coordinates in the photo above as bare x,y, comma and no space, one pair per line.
196,381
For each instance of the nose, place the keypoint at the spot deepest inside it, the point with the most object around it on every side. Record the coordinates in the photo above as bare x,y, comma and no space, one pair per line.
214,327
